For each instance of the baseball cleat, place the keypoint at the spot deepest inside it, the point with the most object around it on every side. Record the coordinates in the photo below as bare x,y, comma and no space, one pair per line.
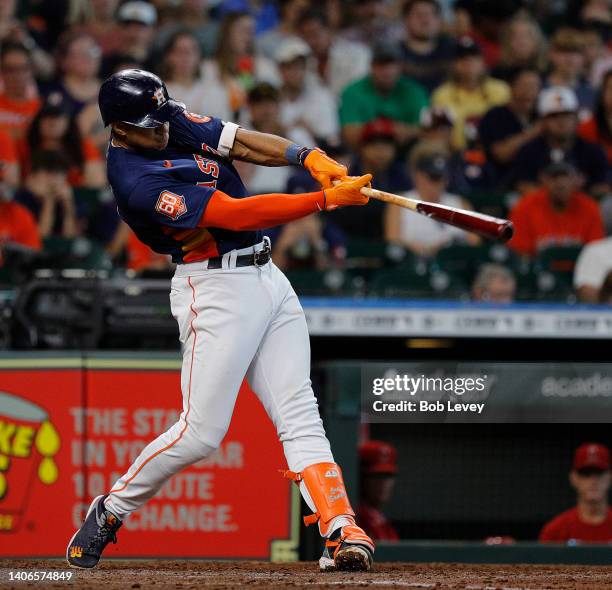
97,531
348,549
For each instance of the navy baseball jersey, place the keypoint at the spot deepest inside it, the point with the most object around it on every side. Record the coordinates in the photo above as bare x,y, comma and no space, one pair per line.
162,194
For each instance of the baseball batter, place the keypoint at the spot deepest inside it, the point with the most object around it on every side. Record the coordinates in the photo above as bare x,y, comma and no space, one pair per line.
172,176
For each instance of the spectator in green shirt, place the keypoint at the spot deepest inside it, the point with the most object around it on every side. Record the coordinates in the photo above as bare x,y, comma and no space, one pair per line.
385,93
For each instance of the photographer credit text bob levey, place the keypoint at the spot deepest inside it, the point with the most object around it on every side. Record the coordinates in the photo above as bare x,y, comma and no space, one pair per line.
412,386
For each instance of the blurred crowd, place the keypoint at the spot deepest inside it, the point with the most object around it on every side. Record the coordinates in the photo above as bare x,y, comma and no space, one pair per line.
504,107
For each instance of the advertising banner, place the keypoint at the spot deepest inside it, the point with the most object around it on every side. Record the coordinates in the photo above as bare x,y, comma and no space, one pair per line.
66,435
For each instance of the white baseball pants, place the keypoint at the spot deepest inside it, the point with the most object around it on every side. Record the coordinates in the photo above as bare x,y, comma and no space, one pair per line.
233,322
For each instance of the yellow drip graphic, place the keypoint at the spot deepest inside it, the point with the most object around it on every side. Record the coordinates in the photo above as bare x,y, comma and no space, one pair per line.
47,443
47,471
47,439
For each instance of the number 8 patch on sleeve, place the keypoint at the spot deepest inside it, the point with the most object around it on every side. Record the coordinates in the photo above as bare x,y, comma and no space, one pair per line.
171,205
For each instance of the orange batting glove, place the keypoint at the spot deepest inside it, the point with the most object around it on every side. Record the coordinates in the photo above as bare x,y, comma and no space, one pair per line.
323,168
347,192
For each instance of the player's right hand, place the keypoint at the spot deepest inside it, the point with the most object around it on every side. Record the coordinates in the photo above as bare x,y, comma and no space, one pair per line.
347,192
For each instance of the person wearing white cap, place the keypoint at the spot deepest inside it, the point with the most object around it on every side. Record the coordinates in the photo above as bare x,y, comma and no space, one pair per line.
137,22
304,101
558,141
137,11
291,49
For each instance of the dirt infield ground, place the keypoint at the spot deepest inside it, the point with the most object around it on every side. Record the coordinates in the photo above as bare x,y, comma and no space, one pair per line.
162,575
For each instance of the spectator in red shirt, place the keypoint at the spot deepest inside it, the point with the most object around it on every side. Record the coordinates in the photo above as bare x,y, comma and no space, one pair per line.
591,520
557,213
18,100
378,465
17,224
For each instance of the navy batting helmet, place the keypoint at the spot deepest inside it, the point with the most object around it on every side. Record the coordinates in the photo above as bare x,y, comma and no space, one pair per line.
136,97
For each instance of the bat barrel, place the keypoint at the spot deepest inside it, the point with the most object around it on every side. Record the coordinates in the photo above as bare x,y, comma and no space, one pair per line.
485,225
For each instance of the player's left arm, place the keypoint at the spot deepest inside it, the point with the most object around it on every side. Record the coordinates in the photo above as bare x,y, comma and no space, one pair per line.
271,150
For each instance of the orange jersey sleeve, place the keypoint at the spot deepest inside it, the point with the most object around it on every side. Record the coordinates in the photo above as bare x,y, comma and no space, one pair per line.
259,211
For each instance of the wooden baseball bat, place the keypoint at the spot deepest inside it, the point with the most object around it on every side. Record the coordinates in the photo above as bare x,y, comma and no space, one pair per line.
485,225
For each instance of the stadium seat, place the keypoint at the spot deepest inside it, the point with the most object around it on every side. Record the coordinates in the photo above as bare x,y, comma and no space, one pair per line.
401,281
366,249
6,277
500,254
490,202
365,253
526,283
317,282
88,200
407,281
74,253
366,257
460,261
554,267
